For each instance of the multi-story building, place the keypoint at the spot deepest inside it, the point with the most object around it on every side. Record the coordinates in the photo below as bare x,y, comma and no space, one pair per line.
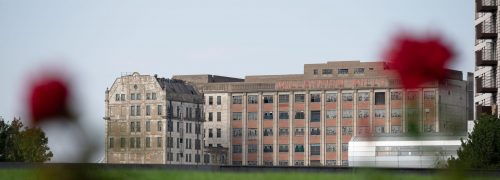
486,52
151,120
310,118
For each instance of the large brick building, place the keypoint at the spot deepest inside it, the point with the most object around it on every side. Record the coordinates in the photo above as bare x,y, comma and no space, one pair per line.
309,119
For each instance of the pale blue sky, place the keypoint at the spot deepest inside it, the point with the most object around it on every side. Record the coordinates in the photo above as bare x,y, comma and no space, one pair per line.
98,40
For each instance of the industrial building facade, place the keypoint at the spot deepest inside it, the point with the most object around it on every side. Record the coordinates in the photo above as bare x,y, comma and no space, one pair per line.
486,53
309,119
151,120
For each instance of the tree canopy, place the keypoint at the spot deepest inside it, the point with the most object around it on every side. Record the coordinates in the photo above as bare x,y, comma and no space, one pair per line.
22,144
482,148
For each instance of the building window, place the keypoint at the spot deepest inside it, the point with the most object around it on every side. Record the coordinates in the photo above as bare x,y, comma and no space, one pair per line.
148,142
153,96
299,98
379,98
331,162
396,95
299,115
268,115
396,129
363,130
148,126
363,113
331,114
268,131
237,116
252,99
268,148
283,163
283,115
412,95
117,97
132,142
268,163
236,132
132,110
396,113
132,96
148,96
283,98
428,95
343,71
299,163
111,142
210,133
359,70
252,148
331,147
138,96
315,149
268,99
299,148
138,142
210,100
331,131
206,159
299,132
315,71
347,114
138,127
379,113
315,116
283,132
315,131
283,148
315,98
331,97
219,116
363,96
252,163
379,129
236,148
252,133
132,126
347,97
148,110
219,100
160,110
345,147
138,110
347,130
122,97
210,116
327,71
252,115
219,132
158,141
237,99
122,142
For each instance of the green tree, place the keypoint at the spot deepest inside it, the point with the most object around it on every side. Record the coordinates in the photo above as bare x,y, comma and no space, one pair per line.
23,144
482,148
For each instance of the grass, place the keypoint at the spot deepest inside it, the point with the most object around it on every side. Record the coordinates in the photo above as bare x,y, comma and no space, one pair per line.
65,173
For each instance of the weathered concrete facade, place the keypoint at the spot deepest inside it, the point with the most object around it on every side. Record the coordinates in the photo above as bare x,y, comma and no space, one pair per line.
152,120
309,118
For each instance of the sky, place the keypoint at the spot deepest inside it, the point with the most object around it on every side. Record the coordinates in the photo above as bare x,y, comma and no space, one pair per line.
95,41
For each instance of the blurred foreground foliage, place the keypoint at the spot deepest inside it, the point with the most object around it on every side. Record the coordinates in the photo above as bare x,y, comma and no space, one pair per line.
482,148
22,144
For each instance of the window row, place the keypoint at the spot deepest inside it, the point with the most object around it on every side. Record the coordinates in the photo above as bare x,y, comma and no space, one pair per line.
211,134
211,116
135,110
315,149
211,100
135,96
135,142
315,116
252,132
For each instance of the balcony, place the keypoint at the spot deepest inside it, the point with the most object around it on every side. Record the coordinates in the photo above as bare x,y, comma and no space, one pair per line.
480,109
486,30
485,85
486,56
486,5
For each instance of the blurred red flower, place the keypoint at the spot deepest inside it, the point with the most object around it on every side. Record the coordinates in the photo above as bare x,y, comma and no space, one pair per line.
418,60
48,98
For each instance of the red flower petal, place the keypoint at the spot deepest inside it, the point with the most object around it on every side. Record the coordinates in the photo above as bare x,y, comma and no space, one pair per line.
48,99
418,61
